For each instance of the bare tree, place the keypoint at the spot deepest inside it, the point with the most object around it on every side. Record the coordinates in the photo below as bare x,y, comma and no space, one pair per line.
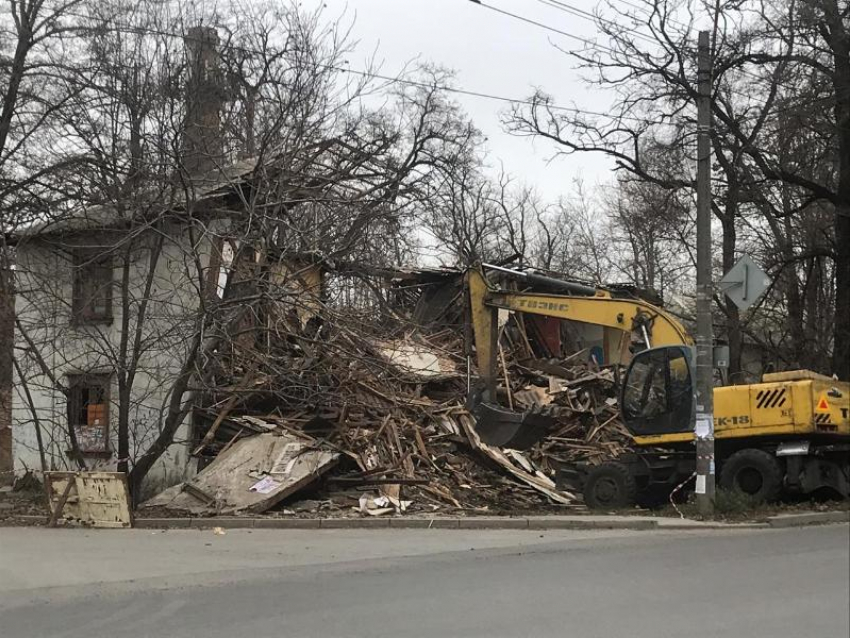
36,82
573,238
648,225
651,70
180,247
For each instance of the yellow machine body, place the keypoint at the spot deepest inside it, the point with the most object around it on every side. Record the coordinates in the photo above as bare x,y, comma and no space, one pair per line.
791,404
786,404
789,433
626,315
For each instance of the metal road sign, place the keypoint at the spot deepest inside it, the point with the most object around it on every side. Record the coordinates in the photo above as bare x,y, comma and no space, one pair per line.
744,283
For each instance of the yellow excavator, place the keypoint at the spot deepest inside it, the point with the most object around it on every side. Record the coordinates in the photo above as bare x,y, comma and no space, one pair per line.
790,433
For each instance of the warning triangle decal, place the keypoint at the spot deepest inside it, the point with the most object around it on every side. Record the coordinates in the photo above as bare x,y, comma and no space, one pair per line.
823,406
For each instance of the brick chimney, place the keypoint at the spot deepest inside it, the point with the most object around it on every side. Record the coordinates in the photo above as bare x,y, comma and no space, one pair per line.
203,148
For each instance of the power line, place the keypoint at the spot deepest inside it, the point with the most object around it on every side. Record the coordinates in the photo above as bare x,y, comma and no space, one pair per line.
118,27
458,91
547,27
487,96
648,13
595,19
542,25
586,15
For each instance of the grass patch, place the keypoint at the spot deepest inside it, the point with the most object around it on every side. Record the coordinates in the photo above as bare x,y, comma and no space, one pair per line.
729,505
734,503
736,506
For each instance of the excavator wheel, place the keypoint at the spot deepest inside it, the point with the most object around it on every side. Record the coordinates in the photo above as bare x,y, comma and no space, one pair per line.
756,473
610,486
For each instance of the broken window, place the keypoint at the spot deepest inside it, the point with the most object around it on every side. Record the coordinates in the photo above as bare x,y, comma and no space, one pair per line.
88,411
228,253
92,296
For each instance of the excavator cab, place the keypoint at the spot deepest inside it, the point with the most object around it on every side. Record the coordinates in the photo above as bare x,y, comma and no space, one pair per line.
657,395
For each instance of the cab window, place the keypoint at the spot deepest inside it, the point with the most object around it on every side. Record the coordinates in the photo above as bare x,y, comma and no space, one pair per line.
658,392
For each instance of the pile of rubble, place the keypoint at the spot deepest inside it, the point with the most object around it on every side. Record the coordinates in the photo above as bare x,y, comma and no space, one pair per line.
365,416
584,404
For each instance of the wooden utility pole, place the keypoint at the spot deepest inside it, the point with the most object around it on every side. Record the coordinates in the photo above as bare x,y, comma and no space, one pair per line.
705,332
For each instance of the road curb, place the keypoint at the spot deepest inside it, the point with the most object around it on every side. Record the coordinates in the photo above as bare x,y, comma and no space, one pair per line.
577,524
811,518
490,523
354,523
507,523
713,526
287,523
424,523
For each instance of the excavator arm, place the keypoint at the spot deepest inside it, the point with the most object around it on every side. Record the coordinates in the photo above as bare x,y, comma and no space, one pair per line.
594,306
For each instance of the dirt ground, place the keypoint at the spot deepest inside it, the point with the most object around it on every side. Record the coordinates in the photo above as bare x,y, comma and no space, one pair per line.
28,503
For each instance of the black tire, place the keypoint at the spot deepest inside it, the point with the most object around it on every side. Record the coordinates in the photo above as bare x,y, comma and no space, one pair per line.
610,486
756,473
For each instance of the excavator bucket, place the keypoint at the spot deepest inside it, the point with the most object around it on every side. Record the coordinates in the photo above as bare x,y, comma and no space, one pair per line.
504,428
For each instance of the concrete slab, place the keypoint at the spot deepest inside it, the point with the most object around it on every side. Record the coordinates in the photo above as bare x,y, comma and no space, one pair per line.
39,557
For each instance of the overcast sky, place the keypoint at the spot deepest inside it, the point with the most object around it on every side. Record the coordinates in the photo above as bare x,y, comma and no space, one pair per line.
493,54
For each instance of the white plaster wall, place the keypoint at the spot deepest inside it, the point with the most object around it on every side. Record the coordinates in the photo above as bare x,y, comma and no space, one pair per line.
44,280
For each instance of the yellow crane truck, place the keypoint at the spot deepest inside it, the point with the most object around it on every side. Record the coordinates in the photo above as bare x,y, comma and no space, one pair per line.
790,433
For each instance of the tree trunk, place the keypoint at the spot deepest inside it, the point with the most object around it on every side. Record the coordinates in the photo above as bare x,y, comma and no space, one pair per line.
841,346
177,410
7,343
733,316
125,377
794,321
839,41
123,426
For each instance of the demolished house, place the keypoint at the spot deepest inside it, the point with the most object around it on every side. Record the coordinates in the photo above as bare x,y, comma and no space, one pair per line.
371,416
124,309
198,341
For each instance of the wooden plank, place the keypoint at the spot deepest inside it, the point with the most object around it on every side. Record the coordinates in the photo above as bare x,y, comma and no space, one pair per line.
101,498
214,427
60,503
506,377
541,484
198,493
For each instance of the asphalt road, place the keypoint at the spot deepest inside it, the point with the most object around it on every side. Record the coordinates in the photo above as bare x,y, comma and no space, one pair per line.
753,584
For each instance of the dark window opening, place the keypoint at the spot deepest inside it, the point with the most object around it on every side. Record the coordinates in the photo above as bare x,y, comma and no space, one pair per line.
92,301
88,411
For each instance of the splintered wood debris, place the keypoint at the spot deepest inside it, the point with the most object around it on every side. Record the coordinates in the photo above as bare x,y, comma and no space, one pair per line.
336,417
418,360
